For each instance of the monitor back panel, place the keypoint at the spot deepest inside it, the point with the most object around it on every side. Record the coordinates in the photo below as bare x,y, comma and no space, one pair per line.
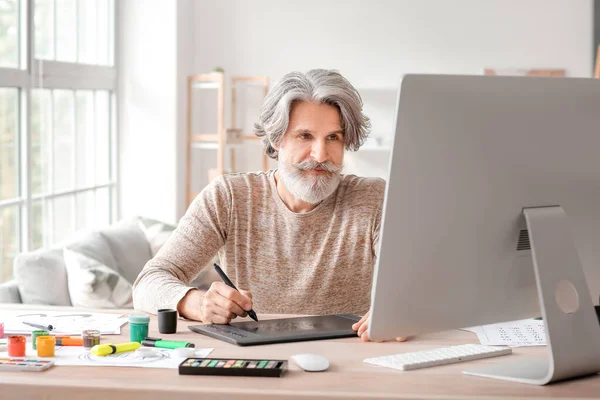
470,152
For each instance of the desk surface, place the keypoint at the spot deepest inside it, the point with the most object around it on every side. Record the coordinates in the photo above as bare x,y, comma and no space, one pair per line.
348,376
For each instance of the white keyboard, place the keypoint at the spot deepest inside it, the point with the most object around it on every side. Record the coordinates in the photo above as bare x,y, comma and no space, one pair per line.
441,356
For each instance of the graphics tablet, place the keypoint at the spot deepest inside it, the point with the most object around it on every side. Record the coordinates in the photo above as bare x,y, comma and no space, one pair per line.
294,329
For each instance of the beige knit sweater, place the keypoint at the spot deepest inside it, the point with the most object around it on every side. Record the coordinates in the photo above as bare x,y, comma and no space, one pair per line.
318,262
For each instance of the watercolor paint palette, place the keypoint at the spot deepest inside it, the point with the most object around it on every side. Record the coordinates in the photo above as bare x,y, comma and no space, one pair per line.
24,364
232,367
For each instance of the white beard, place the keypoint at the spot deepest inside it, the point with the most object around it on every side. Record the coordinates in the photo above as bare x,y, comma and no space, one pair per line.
311,189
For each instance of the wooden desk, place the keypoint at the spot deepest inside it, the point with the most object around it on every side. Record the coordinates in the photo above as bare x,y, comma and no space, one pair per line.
347,378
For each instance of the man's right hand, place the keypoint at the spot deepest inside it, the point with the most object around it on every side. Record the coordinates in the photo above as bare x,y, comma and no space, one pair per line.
219,305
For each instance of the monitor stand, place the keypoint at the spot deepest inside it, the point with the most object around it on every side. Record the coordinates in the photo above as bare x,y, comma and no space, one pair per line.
573,335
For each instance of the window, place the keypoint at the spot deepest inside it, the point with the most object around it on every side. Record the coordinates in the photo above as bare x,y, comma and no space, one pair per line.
57,133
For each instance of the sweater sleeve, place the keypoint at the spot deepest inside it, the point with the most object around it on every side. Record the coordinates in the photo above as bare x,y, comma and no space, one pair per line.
165,279
377,222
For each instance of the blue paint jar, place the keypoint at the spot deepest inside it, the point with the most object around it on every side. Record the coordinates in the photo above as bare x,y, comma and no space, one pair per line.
138,327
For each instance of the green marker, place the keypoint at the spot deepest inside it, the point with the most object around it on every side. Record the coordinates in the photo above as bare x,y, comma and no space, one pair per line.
165,344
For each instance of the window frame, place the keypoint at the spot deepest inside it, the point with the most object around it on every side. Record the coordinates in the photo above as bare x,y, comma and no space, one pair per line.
33,74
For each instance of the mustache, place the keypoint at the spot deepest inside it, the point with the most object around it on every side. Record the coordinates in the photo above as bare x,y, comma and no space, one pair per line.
310,164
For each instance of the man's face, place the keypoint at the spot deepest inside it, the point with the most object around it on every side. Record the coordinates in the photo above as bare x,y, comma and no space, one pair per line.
311,153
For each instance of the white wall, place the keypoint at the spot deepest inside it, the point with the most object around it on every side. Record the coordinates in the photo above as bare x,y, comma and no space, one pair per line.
373,43
185,67
151,143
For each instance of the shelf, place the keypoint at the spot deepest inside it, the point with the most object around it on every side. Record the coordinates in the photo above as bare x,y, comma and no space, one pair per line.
217,142
214,145
214,137
251,80
205,137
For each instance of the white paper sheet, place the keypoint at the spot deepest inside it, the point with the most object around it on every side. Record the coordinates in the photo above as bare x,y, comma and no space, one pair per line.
64,323
79,356
526,332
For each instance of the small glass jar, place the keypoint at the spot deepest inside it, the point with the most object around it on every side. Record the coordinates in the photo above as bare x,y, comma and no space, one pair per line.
45,346
91,338
35,334
16,346
138,327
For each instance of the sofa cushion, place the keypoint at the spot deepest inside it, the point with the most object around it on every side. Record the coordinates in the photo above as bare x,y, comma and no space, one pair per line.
9,292
156,233
41,275
128,246
92,284
95,246
42,278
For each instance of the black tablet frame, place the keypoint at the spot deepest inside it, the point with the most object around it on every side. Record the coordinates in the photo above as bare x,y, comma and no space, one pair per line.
232,334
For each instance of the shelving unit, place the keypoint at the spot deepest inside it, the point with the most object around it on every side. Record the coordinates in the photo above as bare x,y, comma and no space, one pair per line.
213,80
260,80
223,138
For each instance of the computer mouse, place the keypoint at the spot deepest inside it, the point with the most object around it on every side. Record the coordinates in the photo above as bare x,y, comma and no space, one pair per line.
311,362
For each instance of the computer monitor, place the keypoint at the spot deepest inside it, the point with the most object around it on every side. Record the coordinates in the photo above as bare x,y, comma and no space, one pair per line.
483,169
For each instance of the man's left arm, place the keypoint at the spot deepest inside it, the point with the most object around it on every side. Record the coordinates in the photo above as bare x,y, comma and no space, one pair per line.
377,228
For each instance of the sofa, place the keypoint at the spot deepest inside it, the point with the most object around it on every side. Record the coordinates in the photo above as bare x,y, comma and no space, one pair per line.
94,268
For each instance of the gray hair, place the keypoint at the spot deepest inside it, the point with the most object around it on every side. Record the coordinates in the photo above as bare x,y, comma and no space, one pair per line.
318,86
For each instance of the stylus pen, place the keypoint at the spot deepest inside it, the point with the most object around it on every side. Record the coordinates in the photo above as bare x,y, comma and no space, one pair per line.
251,313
